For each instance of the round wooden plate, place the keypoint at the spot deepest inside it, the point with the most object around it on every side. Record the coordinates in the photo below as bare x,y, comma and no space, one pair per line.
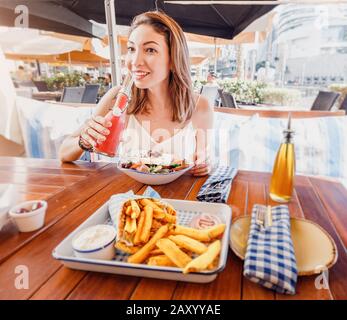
314,248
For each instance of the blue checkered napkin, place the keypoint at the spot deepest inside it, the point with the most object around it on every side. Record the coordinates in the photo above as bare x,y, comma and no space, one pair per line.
217,186
270,258
151,193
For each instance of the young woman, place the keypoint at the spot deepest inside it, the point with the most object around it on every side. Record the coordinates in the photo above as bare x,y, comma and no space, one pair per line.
163,110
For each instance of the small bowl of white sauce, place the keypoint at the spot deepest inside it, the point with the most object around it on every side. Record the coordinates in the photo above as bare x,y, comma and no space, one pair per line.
96,242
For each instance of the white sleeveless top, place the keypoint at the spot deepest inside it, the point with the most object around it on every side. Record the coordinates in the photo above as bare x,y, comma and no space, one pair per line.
137,141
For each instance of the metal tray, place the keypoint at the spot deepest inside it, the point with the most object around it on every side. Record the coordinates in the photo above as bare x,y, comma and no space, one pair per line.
186,210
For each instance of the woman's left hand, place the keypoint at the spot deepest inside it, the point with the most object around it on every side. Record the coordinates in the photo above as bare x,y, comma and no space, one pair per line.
201,169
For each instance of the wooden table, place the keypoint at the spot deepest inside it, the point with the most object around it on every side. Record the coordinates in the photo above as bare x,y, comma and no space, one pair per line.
283,113
75,191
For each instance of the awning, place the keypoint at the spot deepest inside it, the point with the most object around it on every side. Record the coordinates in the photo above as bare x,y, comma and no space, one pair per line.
218,20
72,16
74,57
23,41
50,16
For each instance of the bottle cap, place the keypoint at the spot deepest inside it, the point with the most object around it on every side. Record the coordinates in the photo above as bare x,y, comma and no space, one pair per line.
289,132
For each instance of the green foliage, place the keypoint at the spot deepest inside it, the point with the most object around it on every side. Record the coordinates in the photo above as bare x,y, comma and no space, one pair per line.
253,92
61,80
281,96
249,92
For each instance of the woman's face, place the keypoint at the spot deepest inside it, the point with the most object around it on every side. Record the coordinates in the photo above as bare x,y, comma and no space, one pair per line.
148,57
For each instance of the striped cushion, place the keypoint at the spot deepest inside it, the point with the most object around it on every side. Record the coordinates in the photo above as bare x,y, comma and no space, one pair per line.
45,125
229,149
248,143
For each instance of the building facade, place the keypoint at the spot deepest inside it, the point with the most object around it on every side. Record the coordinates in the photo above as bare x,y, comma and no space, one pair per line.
309,44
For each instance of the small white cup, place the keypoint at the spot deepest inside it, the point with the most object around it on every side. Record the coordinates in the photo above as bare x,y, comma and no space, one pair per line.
29,221
103,250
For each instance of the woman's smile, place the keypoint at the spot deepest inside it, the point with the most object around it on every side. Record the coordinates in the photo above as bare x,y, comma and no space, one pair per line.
140,75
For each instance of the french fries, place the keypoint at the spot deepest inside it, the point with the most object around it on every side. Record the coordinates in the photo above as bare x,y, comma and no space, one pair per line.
149,233
135,209
200,235
147,224
160,260
156,252
127,249
169,218
203,261
216,231
128,211
148,202
137,238
143,253
130,225
189,243
156,224
175,254
158,214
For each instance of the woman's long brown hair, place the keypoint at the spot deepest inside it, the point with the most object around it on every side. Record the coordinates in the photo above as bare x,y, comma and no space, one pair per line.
180,84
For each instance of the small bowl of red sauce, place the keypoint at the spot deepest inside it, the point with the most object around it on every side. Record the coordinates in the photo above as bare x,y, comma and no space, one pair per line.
29,215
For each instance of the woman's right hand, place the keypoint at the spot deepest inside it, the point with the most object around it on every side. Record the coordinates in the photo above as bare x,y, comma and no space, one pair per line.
95,130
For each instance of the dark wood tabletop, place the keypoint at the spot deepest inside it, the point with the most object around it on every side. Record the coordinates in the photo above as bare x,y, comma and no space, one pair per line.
75,191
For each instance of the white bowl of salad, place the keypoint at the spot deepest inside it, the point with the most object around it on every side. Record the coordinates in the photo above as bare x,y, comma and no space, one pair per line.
154,169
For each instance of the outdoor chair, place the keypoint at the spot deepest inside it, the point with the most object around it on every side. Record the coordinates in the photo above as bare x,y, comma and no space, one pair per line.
90,93
325,100
72,94
220,92
228,100
344,104
41,86
210,93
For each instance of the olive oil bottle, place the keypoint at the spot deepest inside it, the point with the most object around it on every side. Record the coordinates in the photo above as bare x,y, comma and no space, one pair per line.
282,180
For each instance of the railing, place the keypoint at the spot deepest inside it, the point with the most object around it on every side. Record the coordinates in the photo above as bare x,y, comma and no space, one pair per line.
280,114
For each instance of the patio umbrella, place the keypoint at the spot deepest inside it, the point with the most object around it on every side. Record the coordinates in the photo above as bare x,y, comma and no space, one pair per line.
34,42
48,15
84,57
73,57
72,16
216,20
50,47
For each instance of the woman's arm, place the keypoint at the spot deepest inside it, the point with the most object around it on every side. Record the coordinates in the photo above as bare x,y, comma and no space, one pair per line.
94,129
203,122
